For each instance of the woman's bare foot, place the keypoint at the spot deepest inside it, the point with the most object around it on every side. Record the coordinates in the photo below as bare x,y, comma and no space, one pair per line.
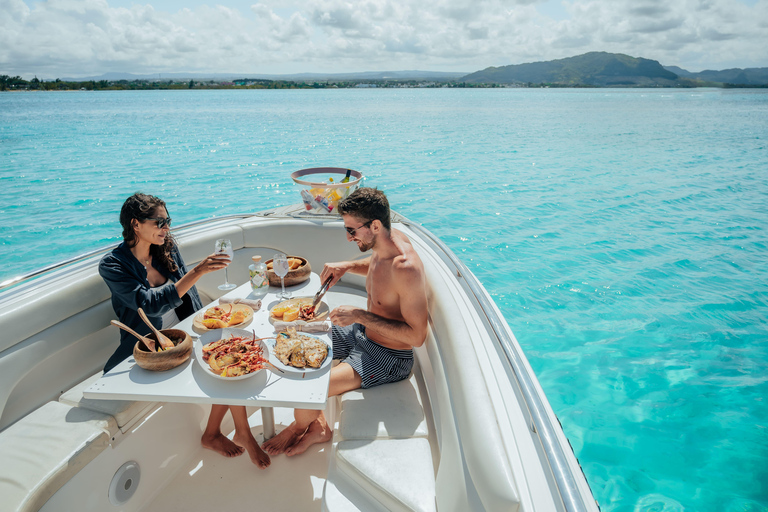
284,440
318,432
257,455
221,444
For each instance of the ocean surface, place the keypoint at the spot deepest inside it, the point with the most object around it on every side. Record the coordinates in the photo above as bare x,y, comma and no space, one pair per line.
623,234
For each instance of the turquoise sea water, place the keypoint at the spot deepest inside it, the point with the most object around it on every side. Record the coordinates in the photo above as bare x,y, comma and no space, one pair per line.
623,234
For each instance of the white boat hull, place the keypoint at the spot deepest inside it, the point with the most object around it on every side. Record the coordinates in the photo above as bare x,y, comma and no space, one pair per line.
471,430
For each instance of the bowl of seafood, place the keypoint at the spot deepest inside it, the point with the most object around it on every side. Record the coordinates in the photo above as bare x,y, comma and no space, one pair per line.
164,359
298,272
231,354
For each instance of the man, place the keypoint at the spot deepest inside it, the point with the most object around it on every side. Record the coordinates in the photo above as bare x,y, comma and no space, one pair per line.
374,344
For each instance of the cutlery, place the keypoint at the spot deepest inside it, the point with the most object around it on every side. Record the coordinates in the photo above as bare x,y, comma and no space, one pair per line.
319,295
150,344
275,367
161,338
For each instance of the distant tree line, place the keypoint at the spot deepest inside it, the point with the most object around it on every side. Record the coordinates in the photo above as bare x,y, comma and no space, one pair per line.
16,83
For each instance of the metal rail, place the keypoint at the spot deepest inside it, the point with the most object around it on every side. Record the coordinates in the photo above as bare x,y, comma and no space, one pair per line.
542,425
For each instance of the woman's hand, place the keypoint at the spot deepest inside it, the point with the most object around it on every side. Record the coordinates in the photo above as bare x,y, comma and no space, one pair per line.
212,263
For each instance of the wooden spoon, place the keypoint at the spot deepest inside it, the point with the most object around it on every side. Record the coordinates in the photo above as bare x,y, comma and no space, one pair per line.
150,344
161,338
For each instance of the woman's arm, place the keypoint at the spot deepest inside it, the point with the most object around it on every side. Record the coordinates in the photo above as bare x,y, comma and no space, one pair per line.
210,264
132,290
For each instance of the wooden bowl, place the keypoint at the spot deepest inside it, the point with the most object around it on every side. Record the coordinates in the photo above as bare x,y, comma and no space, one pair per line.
166,359
295,276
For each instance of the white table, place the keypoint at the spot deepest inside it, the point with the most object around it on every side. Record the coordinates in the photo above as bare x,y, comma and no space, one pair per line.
191,383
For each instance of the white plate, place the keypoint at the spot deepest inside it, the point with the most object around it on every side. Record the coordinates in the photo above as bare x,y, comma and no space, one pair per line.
320,312
227,332
248,310
292,369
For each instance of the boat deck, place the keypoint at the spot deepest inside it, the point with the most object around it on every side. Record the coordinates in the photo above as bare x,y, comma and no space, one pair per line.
213,482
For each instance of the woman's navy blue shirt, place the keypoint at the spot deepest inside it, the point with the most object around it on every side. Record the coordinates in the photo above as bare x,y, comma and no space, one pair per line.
127,280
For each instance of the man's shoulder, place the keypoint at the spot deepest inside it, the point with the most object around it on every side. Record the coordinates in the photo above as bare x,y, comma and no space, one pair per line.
408,260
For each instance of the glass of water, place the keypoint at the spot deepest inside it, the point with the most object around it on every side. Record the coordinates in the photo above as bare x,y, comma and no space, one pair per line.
280,267
224,246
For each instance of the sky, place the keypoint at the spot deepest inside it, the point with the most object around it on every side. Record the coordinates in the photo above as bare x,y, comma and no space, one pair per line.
78,38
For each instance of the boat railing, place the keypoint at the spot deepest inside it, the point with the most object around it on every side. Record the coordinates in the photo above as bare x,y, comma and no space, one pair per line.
542,424
87,255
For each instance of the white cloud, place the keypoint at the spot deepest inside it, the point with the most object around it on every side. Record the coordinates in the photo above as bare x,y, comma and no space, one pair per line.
60,38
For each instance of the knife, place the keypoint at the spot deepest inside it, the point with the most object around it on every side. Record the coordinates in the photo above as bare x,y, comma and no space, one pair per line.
319,295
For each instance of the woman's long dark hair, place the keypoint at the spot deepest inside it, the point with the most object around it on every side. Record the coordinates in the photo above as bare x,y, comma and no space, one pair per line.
142,207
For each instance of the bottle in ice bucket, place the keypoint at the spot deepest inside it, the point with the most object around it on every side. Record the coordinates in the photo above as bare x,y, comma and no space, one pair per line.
258,272
346,178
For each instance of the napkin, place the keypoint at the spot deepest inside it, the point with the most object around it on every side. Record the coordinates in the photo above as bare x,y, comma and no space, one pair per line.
301,325
254,304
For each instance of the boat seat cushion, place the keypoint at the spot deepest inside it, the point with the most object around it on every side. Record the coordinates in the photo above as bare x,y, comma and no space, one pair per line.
45,449
125,412
370,464
389,411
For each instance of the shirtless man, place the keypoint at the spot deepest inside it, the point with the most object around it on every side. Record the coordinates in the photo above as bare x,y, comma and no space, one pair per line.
374,344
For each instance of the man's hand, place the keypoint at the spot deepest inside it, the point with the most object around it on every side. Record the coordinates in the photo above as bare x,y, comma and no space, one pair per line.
344,315
339,268
335,270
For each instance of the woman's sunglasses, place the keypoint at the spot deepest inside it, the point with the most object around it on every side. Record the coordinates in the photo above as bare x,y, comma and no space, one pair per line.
161,221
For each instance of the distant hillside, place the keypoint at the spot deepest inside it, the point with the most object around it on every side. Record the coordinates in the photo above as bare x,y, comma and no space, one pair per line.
599,69
749,76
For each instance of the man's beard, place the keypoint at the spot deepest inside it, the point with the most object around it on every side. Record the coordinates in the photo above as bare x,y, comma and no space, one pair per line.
364,247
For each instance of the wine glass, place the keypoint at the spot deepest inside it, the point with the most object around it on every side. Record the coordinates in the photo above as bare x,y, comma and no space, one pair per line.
224,246
280,267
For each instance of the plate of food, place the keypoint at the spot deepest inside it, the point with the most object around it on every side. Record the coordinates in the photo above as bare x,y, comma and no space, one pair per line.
224,315
299,308
298,352
231,354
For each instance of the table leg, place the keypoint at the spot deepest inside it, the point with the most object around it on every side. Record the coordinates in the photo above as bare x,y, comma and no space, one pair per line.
268,421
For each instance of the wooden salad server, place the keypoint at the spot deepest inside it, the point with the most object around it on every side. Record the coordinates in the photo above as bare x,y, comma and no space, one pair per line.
150,344
161,338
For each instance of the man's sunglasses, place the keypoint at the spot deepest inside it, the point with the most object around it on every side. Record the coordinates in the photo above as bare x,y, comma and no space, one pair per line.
353,231
161,221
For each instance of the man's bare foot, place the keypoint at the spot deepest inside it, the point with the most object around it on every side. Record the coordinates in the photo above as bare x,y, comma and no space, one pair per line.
257,455
221,444
282,441
316,433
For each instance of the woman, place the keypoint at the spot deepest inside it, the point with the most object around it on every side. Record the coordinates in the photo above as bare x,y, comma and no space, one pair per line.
146,271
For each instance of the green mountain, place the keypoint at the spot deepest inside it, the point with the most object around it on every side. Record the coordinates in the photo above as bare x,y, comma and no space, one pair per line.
736,76
599,69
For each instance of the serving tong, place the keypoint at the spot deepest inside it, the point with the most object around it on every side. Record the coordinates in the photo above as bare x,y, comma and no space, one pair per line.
319,295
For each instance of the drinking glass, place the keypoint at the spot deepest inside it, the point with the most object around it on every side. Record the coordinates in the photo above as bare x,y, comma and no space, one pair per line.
224,246
280,267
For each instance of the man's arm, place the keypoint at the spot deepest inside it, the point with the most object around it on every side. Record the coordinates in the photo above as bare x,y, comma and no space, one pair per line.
340,268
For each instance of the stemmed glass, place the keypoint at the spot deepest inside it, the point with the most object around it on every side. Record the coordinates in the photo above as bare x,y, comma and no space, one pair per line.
224,246
280,267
